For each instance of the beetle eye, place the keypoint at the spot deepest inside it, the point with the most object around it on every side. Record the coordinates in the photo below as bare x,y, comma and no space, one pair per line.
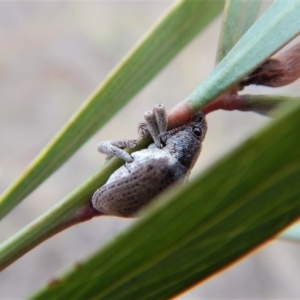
197,131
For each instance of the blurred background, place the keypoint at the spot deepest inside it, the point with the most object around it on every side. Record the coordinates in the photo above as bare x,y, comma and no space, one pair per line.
52,56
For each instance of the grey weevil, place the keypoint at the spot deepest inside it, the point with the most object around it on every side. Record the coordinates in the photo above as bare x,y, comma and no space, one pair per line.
148,172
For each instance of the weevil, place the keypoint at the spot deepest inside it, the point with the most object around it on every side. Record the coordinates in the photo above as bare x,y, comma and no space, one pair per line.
148,172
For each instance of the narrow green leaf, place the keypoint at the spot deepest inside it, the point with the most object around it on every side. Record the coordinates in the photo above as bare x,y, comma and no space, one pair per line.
58,217
276,27
51,221
196,230
238,16
176,28
265,104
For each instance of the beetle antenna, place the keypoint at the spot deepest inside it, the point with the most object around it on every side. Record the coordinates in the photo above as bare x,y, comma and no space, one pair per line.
172,131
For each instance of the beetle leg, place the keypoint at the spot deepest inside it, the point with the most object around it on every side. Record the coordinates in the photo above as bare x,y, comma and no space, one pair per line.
115,148
156,121
153,127
143,131
161,118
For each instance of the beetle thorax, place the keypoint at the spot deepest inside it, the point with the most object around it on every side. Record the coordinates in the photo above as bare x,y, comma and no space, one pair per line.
184,147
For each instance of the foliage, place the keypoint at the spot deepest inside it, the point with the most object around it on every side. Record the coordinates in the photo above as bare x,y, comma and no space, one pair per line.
191,232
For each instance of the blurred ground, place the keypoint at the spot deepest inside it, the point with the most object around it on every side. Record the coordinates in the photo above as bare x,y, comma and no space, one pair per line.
52,56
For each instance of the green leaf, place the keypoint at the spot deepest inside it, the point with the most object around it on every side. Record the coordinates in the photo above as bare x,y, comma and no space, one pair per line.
56,218
276,27
195,230
238,16
265,104
176,28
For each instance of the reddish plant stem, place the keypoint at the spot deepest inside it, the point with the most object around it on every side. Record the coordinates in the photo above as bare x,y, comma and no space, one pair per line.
229,102
181,113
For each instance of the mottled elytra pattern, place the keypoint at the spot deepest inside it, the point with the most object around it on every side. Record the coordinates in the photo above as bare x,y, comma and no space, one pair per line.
148,172
133,192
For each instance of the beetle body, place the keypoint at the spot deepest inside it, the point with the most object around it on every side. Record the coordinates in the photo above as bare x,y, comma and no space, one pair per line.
151,171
